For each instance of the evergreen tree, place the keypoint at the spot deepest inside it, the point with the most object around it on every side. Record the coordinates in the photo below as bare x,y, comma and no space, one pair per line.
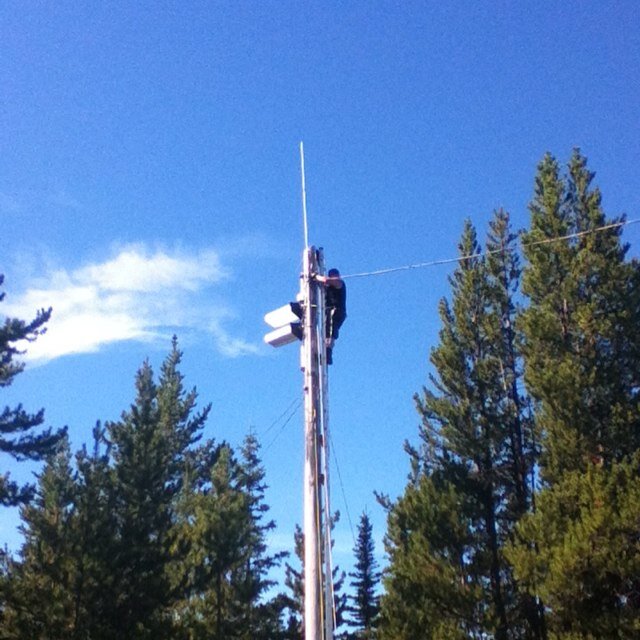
503,279
579,552
580,330
18,435
581,344
366,577
39,600
96,541
261,619
429,593
100,540
60,587
149,449
469,477
214,527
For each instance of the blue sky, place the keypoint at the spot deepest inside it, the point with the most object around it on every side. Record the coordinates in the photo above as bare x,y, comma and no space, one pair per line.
150,185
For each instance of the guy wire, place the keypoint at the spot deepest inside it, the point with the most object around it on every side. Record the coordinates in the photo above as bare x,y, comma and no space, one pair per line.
481,254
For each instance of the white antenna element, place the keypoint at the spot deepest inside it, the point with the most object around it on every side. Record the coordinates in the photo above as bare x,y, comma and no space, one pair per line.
304,198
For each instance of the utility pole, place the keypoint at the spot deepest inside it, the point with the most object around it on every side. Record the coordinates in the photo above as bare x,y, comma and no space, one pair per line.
305,320
318,585
312,567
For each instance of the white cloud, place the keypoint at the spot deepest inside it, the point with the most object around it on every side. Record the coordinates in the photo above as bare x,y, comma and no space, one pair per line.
134,269
138,294
230,346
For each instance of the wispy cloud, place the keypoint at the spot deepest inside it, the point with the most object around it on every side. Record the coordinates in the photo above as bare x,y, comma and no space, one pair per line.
138,294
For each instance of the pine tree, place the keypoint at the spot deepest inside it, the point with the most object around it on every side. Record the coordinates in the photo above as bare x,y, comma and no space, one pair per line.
428,591
580,330
96,541
39,599
579,552
366,577
61,584
261,619
503,278
18,437
149,449
214,527
470,475
581,344
101,540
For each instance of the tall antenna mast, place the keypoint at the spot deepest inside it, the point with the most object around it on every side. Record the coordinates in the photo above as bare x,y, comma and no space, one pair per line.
318,605
305,320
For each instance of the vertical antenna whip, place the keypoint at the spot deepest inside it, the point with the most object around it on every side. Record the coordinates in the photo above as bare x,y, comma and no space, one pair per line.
304,198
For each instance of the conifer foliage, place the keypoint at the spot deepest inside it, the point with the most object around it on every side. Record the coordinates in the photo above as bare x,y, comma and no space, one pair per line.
581,326
447,577
261,615
364,599
148,448
149,535
520,518
579,550
40,592
18,436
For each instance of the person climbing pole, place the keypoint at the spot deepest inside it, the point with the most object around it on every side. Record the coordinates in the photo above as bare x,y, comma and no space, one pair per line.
335,304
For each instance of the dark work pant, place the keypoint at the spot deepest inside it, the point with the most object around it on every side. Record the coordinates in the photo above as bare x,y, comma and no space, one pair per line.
335,318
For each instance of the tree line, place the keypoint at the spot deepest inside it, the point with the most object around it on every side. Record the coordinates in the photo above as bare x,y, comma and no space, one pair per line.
521,517
521,514
148,532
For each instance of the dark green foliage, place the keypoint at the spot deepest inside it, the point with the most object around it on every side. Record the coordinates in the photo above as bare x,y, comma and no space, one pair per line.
148,536
62,587
470,480
579,549
293,601
581,337
224,565
513,415
365,605
428,591
261,618
214,529
95,541
17,436
99,541
585,560
148,448
39,596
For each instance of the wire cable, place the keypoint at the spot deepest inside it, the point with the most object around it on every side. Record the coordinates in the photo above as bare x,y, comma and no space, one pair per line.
286,422
295,401
481,254
344,496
